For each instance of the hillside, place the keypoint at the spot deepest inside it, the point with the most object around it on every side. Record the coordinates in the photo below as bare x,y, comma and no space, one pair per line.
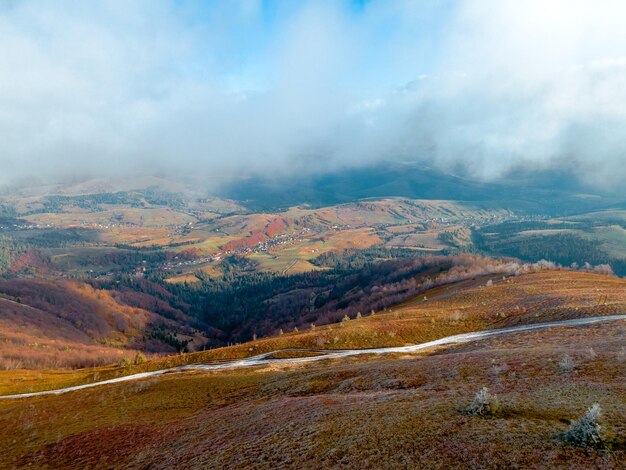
393,411
133,312
59,324
458,307
99,229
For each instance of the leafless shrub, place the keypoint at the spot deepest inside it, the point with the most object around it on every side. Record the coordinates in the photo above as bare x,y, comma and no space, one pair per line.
544,264
457,315
586,432
484,404
497,369
11,364
121,324
567,364
139,358
603,269
141,386
591,354
598,269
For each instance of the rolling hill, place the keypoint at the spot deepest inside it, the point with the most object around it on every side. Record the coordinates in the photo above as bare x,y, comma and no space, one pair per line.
69,324
392,411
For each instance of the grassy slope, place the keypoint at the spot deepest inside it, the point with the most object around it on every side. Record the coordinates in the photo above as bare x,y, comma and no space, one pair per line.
382,412
458,308
63,323
34,338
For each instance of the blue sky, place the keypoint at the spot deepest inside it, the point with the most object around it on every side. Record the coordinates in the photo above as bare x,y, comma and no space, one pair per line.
236,87
251,33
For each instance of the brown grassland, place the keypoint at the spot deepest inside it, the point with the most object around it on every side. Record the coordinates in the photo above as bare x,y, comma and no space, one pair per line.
443,311
393,411
151,217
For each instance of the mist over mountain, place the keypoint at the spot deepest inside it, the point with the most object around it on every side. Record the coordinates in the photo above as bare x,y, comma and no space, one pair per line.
219,90
529,191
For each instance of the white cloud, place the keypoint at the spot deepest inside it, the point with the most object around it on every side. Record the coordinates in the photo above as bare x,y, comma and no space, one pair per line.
217,88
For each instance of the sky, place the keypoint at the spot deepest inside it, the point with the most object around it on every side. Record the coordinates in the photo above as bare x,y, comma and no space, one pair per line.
221,89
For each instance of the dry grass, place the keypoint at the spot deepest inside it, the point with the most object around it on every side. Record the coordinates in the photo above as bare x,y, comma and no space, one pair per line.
458,308
188,278
295,257
151,217
382,412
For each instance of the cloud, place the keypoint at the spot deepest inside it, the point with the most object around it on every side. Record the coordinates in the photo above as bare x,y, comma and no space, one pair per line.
217,89
536,82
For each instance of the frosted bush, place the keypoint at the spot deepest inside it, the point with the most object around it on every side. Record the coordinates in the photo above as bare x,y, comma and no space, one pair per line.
586,432
484,403
567,364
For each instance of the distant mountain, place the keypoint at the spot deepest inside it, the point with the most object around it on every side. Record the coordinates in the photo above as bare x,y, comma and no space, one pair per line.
534,192
553,192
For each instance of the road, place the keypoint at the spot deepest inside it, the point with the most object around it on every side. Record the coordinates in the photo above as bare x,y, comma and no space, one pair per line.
265,359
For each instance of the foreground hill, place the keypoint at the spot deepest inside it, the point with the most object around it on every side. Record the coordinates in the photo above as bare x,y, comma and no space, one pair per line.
392,411
479,303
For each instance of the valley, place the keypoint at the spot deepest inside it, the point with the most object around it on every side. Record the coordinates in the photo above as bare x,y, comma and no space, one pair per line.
157,264
318,336
340,323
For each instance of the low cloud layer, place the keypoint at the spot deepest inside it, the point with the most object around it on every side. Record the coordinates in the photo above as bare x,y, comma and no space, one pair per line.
217,89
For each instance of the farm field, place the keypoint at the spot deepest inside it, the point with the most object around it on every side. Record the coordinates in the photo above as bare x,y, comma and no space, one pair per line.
153,217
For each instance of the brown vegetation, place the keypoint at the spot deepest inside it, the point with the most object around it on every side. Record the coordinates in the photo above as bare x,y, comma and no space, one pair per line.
70,324
378,412
450,309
